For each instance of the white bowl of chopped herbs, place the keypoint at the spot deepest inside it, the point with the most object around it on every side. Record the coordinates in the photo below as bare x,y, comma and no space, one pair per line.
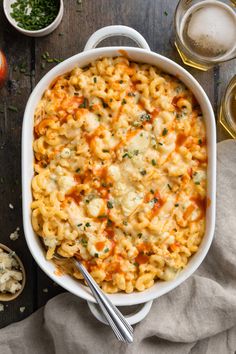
34,18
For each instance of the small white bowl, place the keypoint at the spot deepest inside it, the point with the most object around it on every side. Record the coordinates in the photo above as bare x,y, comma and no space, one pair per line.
9,296
39,33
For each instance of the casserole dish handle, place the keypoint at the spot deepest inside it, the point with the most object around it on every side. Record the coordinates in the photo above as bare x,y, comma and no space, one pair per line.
111,31
133,318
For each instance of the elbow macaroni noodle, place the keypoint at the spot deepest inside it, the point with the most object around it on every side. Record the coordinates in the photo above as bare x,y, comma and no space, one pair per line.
120,173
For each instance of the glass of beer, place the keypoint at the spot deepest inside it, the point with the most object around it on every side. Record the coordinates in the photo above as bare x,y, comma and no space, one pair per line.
205,32
227,111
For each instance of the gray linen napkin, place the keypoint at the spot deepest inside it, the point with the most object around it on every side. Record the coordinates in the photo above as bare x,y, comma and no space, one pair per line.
199,317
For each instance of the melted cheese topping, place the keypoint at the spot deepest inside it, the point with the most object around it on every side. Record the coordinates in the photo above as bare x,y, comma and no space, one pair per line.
120,173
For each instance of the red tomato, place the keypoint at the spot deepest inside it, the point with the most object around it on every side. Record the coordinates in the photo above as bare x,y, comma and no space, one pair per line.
3,68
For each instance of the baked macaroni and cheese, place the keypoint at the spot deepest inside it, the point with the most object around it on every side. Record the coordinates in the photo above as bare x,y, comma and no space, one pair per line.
120,173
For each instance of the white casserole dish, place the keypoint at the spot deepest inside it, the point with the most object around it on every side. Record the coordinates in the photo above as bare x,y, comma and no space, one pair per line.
83,59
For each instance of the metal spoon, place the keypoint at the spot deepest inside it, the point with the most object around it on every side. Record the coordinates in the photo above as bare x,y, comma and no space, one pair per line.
120,326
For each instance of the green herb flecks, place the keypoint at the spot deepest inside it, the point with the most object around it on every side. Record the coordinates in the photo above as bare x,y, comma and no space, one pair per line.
145,117
34,15
84,104
109,222
143,172
109,205
84,242
164,132
127,154
12,108
46,59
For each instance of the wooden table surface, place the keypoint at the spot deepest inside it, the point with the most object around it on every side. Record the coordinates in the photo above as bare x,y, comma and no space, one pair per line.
152,18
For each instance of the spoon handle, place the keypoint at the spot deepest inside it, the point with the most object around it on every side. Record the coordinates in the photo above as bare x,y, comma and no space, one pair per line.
119,325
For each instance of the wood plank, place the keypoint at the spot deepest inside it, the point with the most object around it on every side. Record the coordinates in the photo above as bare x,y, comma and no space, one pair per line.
15,93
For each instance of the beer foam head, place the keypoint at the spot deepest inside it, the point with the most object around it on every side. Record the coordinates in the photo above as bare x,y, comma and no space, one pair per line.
213,27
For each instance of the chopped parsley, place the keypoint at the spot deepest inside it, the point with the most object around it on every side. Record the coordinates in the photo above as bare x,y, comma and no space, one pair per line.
160,144
145,117
95,80
102,216
96,255
180,115
123,101
165,13
197,182
152,191
87,224
84,104
176,205
143,172
136,264
80,224
154,162
125,223
105,150
165,131
78,170
109,222
106,250
12,108
109,204
200,141
140,235
170,188
34,15
121,81
131,94
127,154
104,104
84,242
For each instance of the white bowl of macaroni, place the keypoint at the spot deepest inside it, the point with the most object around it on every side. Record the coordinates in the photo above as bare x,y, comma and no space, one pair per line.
122,173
